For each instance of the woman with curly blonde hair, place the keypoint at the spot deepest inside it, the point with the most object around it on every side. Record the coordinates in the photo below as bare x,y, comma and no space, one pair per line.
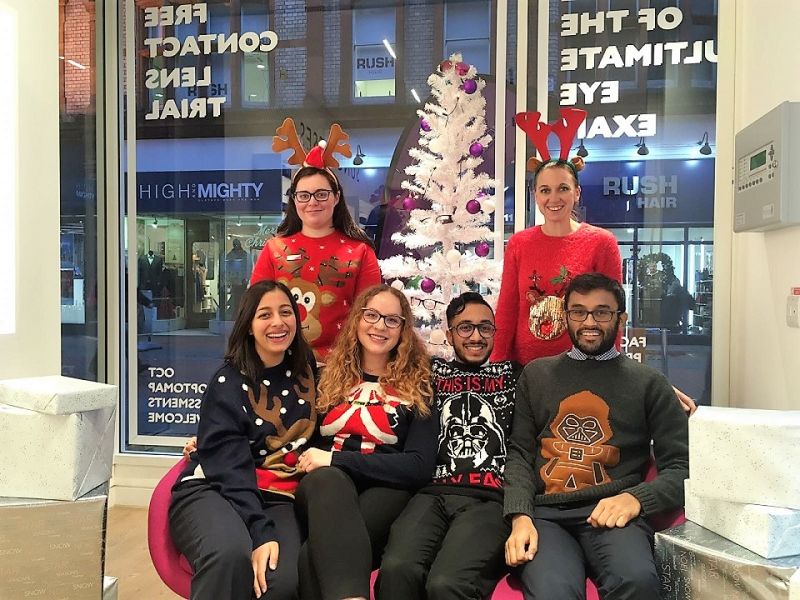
379,445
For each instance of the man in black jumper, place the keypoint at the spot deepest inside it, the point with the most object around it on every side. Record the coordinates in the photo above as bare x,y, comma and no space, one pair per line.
448,542
580,446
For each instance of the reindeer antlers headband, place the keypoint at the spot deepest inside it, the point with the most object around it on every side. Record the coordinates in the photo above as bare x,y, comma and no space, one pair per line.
321,155
565,129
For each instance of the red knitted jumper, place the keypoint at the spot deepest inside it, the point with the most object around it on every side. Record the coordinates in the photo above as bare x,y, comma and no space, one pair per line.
536,271
324,274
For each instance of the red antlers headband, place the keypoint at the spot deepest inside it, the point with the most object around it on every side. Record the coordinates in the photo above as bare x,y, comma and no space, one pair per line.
321,155
565,129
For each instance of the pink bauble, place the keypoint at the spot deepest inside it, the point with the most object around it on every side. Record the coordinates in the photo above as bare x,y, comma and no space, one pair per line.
482,249
462,69
445,65
409,203
427,285
470,86
473,207
424,125
476,149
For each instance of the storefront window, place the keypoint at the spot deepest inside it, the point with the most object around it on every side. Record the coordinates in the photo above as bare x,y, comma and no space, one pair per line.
79,228
374,53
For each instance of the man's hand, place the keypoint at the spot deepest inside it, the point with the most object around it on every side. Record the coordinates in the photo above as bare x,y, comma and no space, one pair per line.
190,447
616,511
314,458
687,403
522,544
265,554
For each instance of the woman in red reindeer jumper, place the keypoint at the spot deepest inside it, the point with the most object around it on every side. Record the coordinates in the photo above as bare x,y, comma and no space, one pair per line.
320,253
540,261
380,445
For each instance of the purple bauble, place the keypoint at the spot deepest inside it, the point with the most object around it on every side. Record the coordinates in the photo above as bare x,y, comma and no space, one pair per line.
473,207
427,285
476,149
482,249
424,125
470,86
409,203
462,69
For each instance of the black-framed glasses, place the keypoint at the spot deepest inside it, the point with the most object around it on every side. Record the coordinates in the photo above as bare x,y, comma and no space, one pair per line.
319,196
426,303
465,329
443,219
373,316
600,315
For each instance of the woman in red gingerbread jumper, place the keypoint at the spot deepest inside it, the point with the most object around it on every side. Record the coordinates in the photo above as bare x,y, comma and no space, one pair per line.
540,261
320,253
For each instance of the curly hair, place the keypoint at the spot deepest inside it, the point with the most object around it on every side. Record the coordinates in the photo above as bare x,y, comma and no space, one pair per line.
408,370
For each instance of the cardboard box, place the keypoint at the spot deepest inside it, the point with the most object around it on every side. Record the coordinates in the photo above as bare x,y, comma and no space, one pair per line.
697,564
745,455
60,457
52,549
57,395
110,591
769,531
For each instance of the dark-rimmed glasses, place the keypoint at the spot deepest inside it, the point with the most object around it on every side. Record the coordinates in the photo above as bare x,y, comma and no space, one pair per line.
426,303
373,316
465,329
319,196
600,315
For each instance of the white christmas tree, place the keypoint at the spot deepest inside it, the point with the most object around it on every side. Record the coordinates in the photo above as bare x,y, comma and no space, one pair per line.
452,141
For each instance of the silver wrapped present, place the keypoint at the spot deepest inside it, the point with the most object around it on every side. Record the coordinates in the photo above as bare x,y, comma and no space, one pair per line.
52,549
697,564
110,591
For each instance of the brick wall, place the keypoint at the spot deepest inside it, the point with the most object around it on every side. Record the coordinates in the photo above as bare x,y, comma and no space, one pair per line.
332,42
78,35
420,56
291,63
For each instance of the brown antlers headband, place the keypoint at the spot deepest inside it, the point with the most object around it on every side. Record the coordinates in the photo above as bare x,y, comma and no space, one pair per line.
321,155
565,129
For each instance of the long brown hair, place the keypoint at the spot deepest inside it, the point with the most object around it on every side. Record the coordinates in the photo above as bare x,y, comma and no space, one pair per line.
408,370
241,352
342,220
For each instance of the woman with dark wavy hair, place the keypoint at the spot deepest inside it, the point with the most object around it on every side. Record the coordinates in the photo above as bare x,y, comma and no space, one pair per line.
320,253
232,513
379,445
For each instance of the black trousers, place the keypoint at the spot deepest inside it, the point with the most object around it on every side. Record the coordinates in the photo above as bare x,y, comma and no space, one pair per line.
214,539
347,530
620,560
444,547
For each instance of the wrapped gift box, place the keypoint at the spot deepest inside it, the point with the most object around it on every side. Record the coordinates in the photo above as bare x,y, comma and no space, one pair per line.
697,564
769,531
110,591
57,395
52,549
60,457
745,455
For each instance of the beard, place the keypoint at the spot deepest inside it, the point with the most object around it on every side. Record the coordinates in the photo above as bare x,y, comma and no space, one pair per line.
604,343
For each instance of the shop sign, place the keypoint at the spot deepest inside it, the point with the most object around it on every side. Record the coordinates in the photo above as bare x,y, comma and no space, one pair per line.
373,62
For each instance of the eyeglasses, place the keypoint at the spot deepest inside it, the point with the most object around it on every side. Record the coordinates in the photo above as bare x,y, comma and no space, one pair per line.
600,315
465,329
373,316
426,303
319,196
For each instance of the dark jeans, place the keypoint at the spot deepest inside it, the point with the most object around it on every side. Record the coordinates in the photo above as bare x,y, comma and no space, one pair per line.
444,547
619,560
214,539
347,531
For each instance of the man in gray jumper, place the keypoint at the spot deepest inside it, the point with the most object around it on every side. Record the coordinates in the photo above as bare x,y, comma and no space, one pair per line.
580,445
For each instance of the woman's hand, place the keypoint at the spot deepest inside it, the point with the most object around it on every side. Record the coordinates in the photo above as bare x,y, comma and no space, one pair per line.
190,446
314,458
265,554
687,403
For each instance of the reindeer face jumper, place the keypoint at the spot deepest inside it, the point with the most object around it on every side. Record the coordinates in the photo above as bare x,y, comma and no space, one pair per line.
249,439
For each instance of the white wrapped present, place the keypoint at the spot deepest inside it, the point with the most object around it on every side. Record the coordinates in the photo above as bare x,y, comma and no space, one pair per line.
52,549
57,395
59,457
769,531
746,455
